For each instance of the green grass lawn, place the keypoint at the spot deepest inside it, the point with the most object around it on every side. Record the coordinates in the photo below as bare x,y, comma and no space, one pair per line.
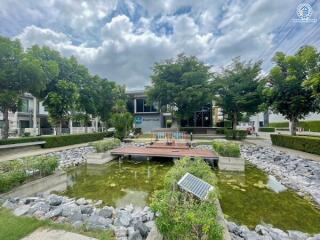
15,228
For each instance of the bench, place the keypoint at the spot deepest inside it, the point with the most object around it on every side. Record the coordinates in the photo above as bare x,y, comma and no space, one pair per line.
26,144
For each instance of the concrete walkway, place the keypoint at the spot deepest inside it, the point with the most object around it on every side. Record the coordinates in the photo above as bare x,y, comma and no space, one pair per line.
50,234
33,152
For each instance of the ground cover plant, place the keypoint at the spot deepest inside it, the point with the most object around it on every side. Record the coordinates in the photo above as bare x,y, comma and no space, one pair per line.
106,145
16,172
181,216
226,148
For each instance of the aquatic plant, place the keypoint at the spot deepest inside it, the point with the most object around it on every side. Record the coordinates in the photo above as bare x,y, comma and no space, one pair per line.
181,216
226,148
106,145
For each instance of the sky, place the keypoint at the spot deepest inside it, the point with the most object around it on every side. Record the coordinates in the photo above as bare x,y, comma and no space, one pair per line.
121,39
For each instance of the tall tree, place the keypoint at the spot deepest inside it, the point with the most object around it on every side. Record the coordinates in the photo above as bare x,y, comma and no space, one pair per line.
286,93
61,102
19,73
181,84
237,89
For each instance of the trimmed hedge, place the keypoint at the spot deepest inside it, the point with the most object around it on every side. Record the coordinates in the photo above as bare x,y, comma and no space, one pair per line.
235,134
313,126
58,141
267,129
220,130
279,124
302,143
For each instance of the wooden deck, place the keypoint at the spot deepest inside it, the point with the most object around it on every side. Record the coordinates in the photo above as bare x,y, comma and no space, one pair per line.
162,150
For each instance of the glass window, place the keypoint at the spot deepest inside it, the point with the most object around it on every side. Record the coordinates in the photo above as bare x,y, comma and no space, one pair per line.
142,106
139,106
24,107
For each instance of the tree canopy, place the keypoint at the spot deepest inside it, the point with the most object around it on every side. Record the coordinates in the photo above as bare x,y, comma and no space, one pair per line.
181,84
286,93
19,73
237,89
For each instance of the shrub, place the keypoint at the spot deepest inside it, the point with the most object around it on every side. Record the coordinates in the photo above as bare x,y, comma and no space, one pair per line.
313,126
226,149
14,173
181,215
106,145
220,130
266,129
58,141
279,124
235,134
302,143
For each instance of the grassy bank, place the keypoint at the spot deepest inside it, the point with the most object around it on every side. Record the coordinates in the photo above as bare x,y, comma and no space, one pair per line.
16,228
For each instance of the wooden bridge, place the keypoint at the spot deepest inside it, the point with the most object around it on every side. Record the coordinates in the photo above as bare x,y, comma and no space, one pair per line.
174,150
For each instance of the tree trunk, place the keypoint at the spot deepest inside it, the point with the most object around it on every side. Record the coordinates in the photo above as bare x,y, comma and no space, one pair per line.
293,127
5,134
234,121
59,127
266,118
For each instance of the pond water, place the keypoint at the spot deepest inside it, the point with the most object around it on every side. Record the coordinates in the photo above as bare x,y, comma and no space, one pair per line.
118,183
248,198
253,197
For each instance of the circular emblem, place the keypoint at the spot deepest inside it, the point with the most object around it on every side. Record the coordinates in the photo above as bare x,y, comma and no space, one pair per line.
304,10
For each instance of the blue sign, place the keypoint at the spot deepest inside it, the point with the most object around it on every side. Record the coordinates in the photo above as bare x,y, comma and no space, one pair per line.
138,120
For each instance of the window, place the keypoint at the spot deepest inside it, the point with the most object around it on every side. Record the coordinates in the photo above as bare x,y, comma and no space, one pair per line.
1,124
141,106
24,107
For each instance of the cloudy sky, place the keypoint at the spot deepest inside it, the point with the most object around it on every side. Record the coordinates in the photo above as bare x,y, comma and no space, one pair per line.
120,40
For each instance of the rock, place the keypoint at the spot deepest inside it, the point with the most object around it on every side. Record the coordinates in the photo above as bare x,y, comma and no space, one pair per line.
135,236
29,200
129,208
232,227
68,209
53,213
315,237
120,231
154,234
123,218
54,200
106,212
75,217
98,222
98,203
9,204
142,228
77,224
86,209
82,201
22,210
39,206
150,216
297,235
150,224
130,230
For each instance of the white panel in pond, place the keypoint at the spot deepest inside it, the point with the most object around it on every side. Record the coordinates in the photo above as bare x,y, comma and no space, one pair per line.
195,185
275,185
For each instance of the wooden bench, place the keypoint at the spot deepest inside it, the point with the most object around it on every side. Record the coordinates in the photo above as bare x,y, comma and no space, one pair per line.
18,145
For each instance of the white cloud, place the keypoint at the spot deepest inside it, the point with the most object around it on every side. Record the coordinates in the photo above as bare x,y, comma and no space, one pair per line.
124,47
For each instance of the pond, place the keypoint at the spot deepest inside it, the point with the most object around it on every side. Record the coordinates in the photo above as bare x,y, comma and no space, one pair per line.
118,183
248,198
253,197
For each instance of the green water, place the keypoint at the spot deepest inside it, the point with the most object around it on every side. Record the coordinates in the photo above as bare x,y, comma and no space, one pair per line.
246,198
118,183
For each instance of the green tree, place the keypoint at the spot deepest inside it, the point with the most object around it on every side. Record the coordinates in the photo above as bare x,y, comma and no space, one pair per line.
121,119
237,89
181,84
19,73
286,93
61,102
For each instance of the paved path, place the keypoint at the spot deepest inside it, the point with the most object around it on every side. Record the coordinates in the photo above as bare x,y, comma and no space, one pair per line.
50,234
34,152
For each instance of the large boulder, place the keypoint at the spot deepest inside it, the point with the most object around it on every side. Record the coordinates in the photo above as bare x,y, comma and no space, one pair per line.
106,212
123,218
135,236
98,222
120,232
68,209
21,210
297,235
54,200
39,206
53,213
142,228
